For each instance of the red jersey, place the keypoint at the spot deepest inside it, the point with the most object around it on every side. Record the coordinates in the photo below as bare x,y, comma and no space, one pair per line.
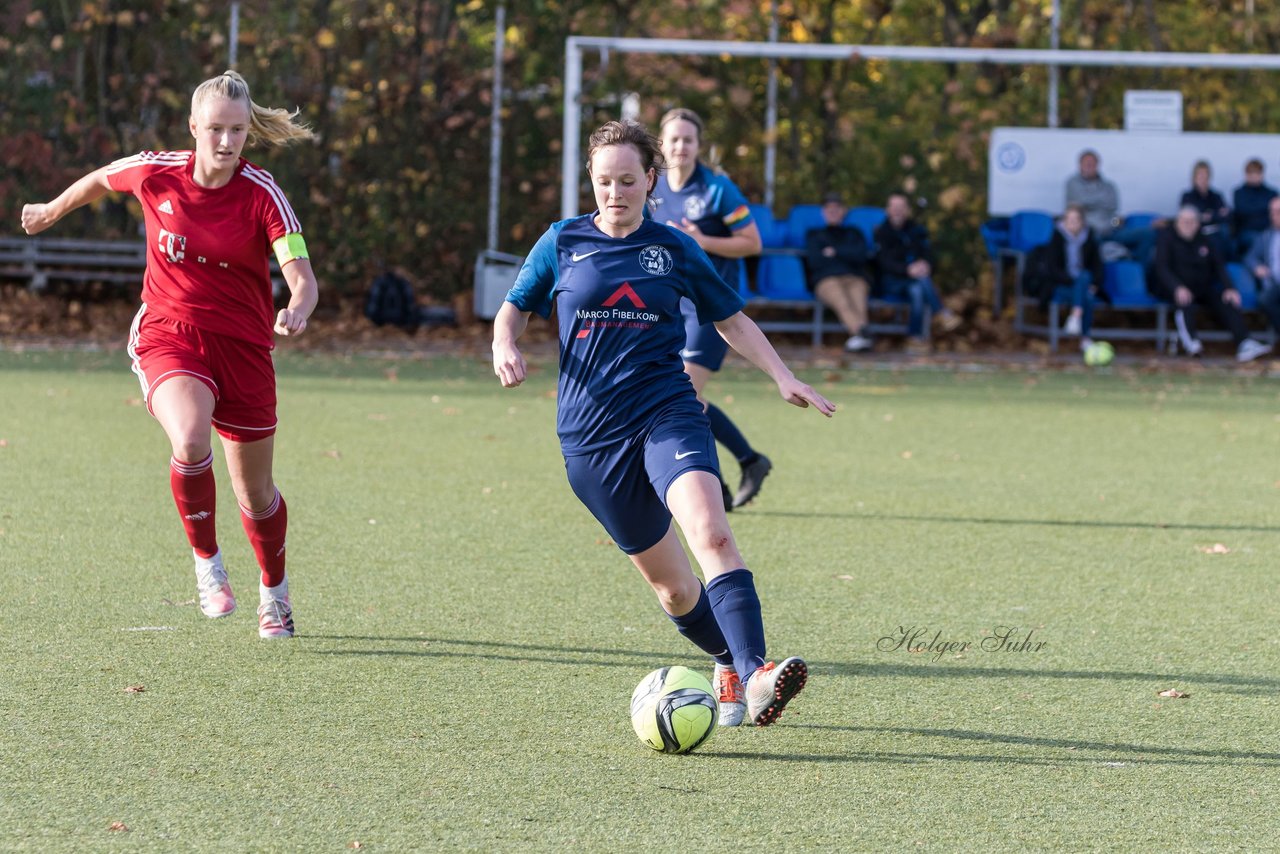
207,249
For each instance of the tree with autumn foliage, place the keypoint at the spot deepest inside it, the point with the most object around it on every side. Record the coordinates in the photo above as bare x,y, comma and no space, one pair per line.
399,93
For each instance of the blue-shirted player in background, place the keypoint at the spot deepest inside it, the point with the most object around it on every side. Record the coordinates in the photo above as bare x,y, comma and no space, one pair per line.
708,207
637,447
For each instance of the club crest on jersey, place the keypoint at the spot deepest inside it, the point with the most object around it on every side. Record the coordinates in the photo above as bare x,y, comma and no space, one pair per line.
172,245
656,260
695,207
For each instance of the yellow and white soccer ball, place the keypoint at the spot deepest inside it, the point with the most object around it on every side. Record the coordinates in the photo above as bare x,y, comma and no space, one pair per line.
1099,354
673,709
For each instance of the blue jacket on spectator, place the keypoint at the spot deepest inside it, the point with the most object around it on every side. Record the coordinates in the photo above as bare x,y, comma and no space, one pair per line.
896,248
1261,254
1250,208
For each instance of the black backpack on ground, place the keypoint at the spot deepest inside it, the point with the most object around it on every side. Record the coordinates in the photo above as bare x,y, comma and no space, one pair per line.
391,301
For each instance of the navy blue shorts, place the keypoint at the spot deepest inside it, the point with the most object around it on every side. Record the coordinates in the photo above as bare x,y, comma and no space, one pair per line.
625,485
703,344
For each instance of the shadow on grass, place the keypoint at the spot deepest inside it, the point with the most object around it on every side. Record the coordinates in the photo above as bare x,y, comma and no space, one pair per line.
1227,682
1053,523
505,651
1113,753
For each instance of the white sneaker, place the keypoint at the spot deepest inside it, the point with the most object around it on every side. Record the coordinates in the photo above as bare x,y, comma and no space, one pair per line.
275,619
858,343
1194,347
1072,326
727,687
216,598
771,687
1251,349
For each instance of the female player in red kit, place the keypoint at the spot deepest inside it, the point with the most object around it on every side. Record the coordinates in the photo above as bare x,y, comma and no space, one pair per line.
201,343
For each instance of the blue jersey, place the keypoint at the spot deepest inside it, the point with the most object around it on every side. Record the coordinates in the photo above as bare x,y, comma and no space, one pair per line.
710,201
618,304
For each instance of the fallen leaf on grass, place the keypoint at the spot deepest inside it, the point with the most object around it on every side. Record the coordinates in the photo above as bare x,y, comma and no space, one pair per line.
133,401
135,689
1215,549
355,843
118,826
4,443
843,577
333,455
906,455
1174,694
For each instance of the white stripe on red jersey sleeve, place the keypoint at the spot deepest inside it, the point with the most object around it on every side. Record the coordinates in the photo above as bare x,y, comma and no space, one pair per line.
125,174
287,217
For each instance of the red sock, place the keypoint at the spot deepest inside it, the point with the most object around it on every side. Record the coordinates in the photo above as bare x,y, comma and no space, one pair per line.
266,531
196,495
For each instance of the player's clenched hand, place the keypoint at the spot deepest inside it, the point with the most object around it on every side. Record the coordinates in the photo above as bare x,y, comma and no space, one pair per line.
508,364
290,322
802,395
36,218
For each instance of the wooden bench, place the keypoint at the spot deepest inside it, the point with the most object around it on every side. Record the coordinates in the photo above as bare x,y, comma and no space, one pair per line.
40,261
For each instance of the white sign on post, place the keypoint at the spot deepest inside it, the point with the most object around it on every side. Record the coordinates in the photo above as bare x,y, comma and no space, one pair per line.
1153,110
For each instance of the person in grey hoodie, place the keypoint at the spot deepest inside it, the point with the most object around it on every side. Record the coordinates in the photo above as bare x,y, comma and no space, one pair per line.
1100,201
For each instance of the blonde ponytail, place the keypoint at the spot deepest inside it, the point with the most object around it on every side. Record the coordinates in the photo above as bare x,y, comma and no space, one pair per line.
267,125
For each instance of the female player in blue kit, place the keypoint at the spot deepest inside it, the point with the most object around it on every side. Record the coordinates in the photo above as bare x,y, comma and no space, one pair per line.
708,207
637,447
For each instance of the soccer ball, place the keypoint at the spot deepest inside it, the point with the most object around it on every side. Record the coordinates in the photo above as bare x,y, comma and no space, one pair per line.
1099,354
673,709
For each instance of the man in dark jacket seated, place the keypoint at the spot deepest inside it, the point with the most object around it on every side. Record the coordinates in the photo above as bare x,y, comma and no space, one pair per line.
906,269
835,258
1190,272
1250,203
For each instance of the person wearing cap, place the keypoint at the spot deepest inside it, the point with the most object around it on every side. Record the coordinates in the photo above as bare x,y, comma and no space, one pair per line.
836,257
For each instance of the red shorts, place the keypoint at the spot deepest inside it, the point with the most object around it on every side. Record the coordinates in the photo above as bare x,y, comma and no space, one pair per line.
241,375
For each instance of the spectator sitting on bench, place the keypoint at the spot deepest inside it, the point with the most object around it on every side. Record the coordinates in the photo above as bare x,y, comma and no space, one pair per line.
1263,261
1100,201
1213,209
1249,204
1188,270
835,258
906,269
1068,269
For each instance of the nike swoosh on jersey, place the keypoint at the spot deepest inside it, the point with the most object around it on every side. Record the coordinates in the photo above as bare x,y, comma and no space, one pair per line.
576,257
688,354
680,455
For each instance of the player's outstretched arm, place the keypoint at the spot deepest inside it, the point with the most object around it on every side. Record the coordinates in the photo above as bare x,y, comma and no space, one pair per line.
90,188
508,361
304,293
744,336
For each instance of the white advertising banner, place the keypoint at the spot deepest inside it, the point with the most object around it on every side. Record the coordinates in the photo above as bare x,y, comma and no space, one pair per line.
1028,168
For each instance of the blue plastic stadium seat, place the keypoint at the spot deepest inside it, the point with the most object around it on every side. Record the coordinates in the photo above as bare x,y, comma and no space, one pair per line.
772,235
1029,229
1126,284
782,278
866,218
1141,219
1244,282
801,220
995,234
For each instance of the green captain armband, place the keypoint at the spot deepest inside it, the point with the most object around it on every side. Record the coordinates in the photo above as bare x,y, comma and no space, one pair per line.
291,247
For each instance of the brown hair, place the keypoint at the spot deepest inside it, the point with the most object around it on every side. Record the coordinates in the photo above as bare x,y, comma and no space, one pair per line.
1255,165
271,126
634,134
681,113
1200,164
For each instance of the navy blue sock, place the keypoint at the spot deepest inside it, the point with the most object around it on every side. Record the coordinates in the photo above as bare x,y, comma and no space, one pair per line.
700,627
737,609
728,434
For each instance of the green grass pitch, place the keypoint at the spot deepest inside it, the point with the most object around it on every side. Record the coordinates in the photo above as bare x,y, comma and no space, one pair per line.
469,640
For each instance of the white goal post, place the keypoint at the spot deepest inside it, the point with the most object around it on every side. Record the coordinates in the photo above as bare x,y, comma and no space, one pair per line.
577,46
